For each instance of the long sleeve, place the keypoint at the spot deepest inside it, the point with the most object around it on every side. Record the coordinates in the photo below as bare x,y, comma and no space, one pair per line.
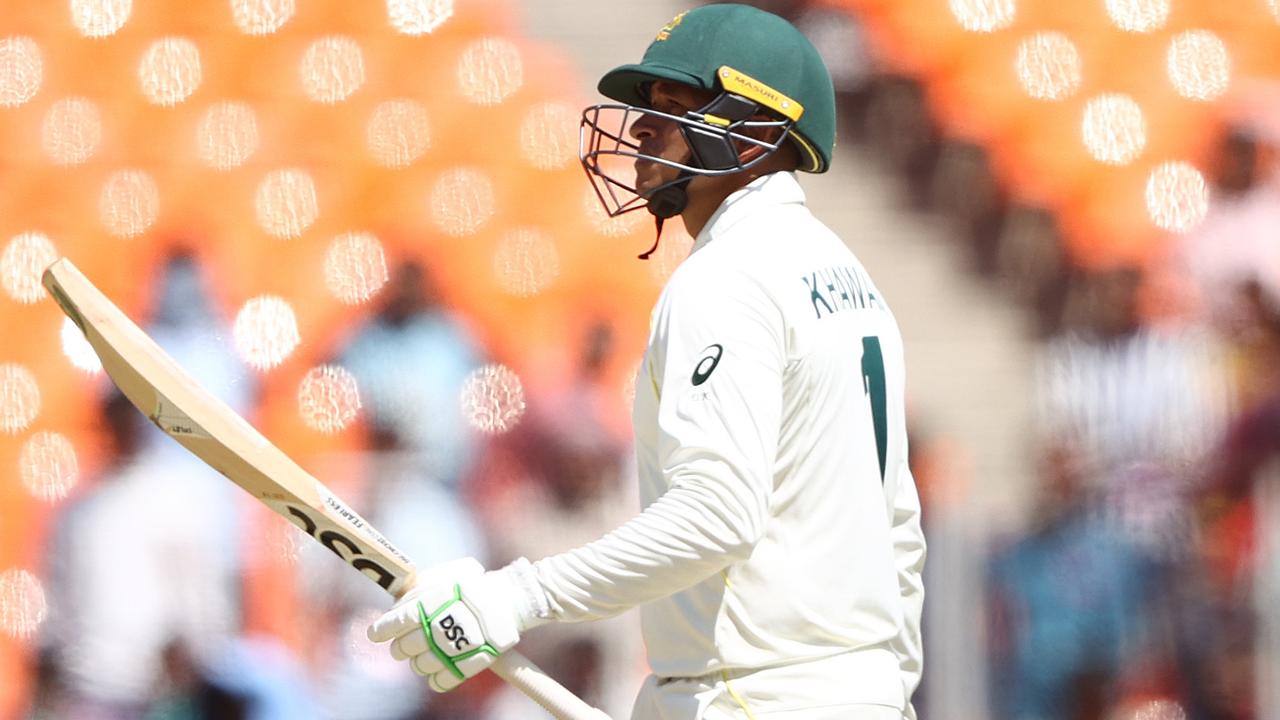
714,370
909,555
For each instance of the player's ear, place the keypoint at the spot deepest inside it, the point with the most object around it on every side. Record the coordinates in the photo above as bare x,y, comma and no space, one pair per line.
786,157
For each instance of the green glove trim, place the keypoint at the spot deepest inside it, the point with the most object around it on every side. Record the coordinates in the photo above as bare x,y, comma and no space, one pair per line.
450,662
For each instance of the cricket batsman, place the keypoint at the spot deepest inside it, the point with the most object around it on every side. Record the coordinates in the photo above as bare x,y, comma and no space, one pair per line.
777,559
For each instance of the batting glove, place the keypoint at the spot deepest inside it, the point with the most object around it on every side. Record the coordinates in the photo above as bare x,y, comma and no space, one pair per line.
459,619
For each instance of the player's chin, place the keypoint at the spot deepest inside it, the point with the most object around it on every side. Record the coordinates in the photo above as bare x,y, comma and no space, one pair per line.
650,176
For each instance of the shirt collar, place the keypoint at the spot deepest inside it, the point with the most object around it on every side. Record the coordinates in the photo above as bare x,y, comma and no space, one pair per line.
779,188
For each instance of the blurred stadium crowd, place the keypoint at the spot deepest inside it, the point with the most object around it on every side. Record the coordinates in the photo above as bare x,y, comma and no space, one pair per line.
363,225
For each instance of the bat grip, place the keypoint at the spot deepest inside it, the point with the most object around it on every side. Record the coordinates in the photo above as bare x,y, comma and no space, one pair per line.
520,672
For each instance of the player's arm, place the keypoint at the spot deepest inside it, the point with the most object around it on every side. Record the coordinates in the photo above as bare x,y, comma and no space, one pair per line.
718,425
909,555
719,411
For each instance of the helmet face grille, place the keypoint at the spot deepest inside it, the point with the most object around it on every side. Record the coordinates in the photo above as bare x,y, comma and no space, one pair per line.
716,143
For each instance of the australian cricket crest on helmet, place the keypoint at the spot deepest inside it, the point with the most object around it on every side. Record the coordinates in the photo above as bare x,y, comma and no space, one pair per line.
665,32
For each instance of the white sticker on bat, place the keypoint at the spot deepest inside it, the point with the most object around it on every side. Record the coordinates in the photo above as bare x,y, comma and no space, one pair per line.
175,423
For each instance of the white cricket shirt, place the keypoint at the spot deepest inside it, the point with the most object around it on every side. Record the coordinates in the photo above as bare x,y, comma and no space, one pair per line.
780,522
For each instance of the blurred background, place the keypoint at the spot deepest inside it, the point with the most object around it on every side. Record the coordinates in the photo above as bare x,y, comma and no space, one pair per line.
364,226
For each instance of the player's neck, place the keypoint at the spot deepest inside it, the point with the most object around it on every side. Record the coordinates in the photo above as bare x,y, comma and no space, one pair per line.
708,193
705,200
698,212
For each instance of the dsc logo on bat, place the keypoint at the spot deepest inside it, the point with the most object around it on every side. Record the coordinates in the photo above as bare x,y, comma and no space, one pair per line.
344,547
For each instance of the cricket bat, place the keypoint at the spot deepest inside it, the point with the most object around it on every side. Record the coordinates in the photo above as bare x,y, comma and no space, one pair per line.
213,432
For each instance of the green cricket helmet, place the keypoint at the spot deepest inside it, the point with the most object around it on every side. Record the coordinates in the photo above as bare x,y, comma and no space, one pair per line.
761,66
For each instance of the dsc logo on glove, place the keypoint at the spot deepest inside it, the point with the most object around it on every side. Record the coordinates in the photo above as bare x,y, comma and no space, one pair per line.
454,632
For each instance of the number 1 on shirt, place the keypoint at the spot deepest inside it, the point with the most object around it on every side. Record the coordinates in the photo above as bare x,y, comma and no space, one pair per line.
873,383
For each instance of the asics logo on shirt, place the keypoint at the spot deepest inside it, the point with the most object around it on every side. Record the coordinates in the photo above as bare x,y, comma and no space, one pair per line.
707,365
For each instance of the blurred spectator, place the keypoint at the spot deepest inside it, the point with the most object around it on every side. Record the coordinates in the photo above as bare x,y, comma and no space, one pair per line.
134,568
1253,439
1240,556
187,323
1144,405
1138,409
1068,604
557,480
588,414
430,524
1236,243
188,693
411,361
269,675
51,699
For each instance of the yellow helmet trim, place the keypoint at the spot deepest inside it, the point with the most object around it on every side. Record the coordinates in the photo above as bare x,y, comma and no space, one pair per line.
815,160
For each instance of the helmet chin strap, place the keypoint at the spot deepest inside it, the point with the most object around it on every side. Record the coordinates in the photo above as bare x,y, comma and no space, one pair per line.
667,201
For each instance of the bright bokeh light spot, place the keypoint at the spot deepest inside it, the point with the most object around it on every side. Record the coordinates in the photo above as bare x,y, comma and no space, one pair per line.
77,348
355,267
170,71
549,135
399,133
21,70
22,604
129,203
1199,65
418,17
1048,66
266,331
332,69
19,398
227,135
286,203
1161,709
526,262
983,15
262,17
22,263
493,399
611,227
100,18
490,70
462,201
1142,16
1177,197
328,399
1275,8
72,131
48,467
1114,130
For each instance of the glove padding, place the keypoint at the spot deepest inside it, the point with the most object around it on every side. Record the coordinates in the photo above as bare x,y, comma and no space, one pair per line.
453,625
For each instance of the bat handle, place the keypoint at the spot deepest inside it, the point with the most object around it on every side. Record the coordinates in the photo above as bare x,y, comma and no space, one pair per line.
520,672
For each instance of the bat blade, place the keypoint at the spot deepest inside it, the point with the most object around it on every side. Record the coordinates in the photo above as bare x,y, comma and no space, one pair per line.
213,432
216,434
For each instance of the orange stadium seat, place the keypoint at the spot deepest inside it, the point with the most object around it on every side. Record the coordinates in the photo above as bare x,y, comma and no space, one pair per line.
1037,146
